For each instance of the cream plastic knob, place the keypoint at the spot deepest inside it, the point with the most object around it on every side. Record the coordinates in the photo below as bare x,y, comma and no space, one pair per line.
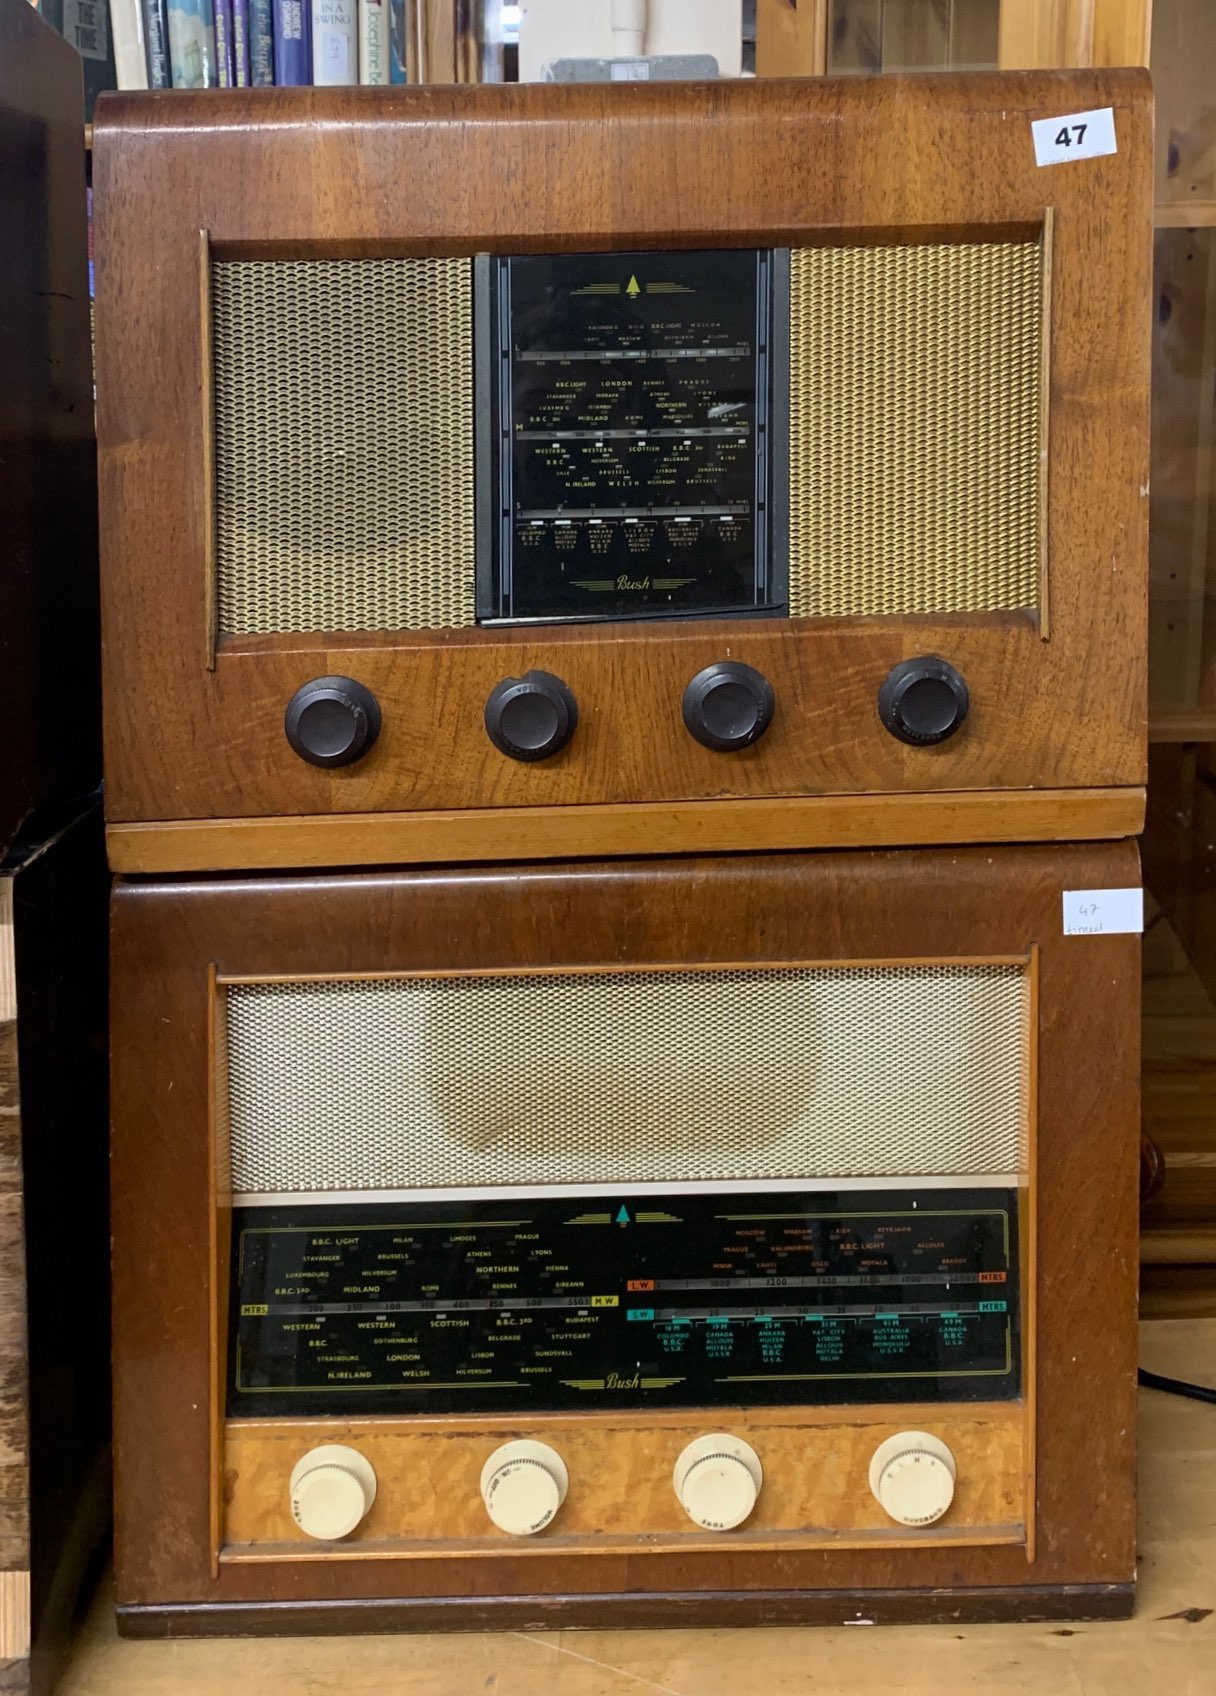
717,1479
912,1476
523,1484
332,1489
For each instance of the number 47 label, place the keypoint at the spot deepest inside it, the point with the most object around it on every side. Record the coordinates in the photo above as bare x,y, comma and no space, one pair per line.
1076,135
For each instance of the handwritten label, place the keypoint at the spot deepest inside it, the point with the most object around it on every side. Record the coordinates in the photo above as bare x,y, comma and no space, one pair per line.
1103,912
1077,135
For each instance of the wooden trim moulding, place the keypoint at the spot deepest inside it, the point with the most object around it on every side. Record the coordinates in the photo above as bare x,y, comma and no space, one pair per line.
716,1609
574,832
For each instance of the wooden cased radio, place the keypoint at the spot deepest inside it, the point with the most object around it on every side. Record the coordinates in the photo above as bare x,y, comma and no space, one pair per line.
549,471
715,1240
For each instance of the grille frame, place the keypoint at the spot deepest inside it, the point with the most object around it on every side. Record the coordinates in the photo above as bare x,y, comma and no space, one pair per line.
1010,1155
298,558
919,301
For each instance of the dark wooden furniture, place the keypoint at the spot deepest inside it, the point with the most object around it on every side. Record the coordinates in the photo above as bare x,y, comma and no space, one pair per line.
51,748
1044,1524
199,774
54,1243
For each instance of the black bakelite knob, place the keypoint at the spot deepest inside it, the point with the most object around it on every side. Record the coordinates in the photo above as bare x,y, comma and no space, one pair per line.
531,717
332,721
728,705
923,701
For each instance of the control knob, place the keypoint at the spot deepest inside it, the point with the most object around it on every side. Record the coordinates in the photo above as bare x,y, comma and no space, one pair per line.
912,1477
923,701
332,1489
717,1479
531,717
728,705
332,721
522,1485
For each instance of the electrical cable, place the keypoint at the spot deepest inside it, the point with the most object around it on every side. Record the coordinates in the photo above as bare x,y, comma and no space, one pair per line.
1176,1386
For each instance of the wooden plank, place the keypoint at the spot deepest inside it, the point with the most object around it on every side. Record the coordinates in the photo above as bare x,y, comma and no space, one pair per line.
1122,30
573,832
1046,34
1185,215
791,38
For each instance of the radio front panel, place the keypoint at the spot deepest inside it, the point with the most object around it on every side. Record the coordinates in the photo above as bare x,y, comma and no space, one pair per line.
658,1318
821,474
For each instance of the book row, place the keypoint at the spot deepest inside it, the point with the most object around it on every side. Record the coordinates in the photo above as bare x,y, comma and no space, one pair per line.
257,43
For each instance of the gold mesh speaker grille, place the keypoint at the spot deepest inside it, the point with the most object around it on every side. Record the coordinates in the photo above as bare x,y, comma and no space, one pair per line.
914,428
617,1077
343,444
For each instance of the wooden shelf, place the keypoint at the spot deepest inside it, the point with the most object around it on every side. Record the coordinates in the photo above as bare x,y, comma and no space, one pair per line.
1185,215
1193,725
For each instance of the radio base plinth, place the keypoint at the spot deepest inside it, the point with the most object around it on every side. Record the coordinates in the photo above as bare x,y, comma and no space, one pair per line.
709,1609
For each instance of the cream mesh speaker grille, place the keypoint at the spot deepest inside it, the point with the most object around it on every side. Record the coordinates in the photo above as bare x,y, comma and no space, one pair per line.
343,444
617,1077
914,428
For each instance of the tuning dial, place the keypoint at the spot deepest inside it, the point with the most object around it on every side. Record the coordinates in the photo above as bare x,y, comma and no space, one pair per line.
923,701
531,717
332,1489
332,721
728,705
912,1476
523,1484
717,1479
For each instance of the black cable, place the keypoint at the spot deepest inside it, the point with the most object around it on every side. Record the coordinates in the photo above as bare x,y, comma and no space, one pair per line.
1176,1386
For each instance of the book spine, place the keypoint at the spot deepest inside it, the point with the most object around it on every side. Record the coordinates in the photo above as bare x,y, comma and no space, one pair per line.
192,43
396,29
335,43
261,44
240,43
156,43
223,42
373,42
126,27
292,58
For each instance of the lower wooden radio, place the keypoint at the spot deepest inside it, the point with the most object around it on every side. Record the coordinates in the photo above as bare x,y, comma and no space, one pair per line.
726,1240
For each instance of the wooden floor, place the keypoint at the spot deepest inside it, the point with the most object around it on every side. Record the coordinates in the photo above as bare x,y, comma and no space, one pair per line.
1169,1647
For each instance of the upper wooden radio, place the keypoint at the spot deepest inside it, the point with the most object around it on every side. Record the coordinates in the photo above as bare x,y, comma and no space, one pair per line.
552,470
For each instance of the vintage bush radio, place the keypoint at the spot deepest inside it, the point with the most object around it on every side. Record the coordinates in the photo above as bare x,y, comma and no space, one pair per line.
728,1239
550,471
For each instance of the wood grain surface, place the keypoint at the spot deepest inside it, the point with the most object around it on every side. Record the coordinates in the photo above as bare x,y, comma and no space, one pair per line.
550,833
816,1491
54,1333
555,168
49,657
915,903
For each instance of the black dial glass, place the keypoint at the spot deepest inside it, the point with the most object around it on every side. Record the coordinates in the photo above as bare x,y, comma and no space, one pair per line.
631,438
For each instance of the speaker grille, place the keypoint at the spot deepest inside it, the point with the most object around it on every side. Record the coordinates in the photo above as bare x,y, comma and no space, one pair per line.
622,1077
343,444
914,428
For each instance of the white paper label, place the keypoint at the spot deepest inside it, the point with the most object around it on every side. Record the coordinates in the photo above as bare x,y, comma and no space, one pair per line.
629,70
334,53
1103,912
1077,135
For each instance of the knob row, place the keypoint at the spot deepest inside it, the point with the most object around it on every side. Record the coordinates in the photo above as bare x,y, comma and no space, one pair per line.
332,721
716,1479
